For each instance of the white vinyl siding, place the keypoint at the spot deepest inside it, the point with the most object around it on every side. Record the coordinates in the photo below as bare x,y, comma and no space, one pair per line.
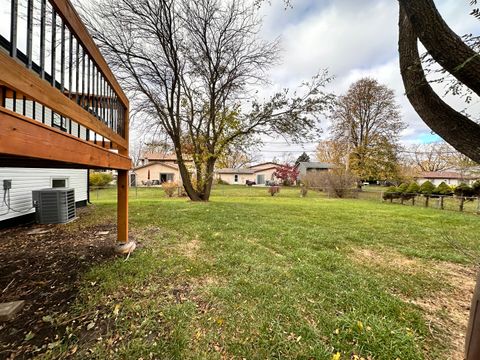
24,180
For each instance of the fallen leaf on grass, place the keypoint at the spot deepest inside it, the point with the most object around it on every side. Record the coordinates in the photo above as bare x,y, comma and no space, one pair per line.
48,319
116,310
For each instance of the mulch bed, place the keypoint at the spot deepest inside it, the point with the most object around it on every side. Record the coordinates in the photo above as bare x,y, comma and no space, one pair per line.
44,270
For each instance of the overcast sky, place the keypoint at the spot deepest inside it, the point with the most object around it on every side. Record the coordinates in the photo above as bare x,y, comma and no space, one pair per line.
352,39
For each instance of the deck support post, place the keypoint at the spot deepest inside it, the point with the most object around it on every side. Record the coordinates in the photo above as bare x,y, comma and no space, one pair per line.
122,206
472,343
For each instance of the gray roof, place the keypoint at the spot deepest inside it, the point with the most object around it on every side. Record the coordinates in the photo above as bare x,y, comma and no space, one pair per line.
235,171
316,165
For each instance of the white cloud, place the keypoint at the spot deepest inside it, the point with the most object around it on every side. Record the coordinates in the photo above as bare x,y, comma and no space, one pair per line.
352,39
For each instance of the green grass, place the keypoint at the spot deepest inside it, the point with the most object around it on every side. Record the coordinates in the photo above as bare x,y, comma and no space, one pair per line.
252,276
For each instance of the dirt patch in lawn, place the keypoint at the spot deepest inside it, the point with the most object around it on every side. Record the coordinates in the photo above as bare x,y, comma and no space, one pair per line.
42,265
190,248
447,310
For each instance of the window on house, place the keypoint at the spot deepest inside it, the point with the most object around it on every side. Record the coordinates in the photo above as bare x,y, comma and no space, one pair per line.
59,183
235,178
166,177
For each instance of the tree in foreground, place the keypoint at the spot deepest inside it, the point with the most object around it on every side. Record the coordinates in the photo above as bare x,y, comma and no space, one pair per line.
366,120
420,20
189,67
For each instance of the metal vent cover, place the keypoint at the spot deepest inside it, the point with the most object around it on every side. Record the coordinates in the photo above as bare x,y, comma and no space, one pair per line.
54,206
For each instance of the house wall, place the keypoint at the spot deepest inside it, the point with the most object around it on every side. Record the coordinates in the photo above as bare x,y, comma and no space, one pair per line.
268,173
24,180
155,170
242,178
436,182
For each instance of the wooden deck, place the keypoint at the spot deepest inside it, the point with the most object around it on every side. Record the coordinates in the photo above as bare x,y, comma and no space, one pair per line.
60,104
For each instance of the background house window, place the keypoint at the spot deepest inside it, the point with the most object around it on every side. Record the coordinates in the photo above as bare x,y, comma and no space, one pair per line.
166,177
235,178
59,183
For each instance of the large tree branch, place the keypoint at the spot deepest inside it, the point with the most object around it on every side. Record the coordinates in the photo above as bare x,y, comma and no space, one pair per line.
458,130
445,47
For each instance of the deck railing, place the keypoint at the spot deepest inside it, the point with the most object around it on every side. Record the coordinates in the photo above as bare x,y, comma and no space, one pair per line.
48,39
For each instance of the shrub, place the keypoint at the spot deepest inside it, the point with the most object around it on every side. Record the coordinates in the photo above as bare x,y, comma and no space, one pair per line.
476,188
463,190
403,188
222,182
169,188
413,188
303,190
288,174
391,193
427,188
272,190
100,179
443,189
340,183
313,180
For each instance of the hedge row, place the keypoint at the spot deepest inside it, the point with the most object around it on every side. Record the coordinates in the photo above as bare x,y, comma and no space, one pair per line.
407,191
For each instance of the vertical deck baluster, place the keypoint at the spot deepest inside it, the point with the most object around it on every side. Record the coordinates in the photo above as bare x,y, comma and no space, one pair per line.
14,98
92,101
62,71
88,83
29,32
115,113
103,100
77,71
82,102
13,28
70,64
110,93
4,96
62,59
54,48
43,9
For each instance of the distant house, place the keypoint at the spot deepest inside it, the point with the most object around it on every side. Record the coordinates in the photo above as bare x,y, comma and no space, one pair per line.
452,178
157,168
16,204
261,174
313,167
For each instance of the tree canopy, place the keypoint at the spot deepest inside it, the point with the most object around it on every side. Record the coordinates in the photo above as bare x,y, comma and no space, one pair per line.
190,67
367,121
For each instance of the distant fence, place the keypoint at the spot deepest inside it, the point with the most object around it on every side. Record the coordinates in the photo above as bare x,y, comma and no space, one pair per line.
442,202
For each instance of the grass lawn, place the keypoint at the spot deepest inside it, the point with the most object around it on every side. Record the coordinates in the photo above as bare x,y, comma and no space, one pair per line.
250,276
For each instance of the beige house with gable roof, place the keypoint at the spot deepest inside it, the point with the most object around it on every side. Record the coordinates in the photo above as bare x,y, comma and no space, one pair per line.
157,168
260,174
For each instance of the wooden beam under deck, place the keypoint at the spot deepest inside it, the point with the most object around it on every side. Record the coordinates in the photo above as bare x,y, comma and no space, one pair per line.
21,137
